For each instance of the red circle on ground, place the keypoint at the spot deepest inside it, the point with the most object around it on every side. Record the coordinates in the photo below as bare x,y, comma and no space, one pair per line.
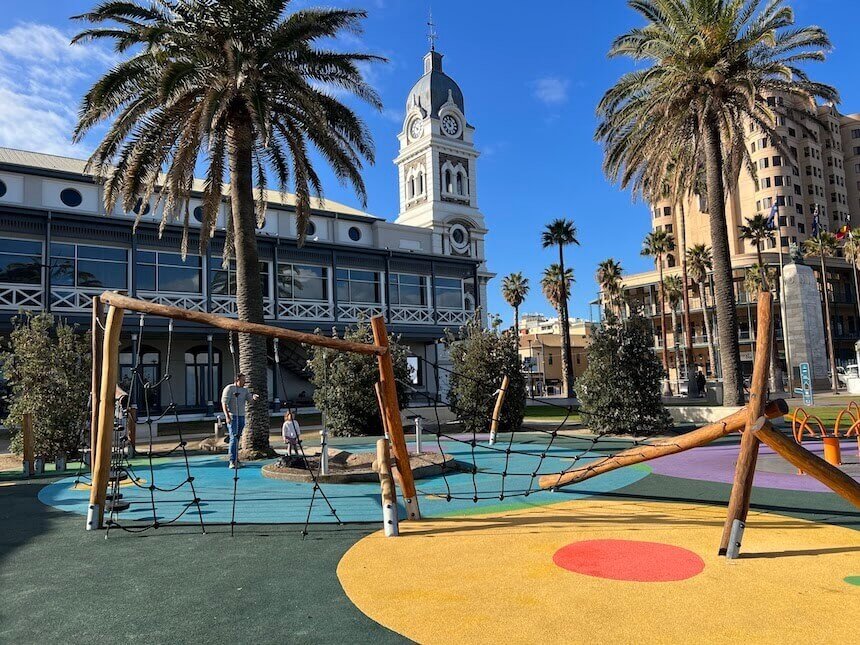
629,560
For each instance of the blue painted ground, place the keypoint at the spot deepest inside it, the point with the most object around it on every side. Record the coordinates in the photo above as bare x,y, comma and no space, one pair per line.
267,501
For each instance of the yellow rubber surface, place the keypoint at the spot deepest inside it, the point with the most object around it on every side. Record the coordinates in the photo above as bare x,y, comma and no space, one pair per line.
491,578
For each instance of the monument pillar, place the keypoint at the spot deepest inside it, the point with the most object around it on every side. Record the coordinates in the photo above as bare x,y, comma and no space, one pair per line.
807,342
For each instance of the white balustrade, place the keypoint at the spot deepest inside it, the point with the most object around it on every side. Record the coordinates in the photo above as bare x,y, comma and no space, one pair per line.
289,310
20,297
226,306
192,301
417,315
350,312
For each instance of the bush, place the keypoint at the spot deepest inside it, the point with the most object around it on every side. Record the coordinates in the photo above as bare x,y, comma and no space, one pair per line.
47,365
619,392
480,359
344,384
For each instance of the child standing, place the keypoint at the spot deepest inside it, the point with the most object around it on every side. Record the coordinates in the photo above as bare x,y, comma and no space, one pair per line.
292,434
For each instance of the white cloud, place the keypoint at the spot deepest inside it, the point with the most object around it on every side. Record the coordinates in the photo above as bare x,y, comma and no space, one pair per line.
551,90
42,78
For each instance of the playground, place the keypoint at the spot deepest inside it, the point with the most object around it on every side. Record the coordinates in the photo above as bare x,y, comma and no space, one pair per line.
744,526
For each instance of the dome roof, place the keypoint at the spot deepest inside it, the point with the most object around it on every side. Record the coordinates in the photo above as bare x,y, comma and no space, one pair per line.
435,88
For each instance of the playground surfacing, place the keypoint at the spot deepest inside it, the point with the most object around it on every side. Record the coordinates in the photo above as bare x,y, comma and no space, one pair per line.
553,569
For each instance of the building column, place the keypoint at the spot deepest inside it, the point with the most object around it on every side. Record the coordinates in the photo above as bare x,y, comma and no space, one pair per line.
276,376
210,377
46,254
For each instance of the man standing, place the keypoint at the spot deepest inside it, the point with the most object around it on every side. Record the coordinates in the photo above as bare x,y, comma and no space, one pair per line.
234,397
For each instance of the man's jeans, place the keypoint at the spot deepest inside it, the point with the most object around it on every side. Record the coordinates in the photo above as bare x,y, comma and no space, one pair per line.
237,424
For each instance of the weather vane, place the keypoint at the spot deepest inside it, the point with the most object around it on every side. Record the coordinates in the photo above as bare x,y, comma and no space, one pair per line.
431,32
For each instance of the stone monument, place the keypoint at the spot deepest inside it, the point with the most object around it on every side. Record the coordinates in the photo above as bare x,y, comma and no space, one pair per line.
805,323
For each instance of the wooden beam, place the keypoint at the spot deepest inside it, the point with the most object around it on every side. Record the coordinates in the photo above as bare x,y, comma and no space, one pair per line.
661,448
96,334
382,466
28,445
391,409
232,324
107,398
813,465
739,500
497,410
377,387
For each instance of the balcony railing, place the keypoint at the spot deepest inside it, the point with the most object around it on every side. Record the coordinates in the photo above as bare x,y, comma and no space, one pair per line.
192,301
288,310
414,315
17,297
226,306
73,298
353,312
453,316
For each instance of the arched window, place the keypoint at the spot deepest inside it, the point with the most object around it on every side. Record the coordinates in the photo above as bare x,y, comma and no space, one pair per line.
420,183
448,186
460,183
198,389
148,371
411,187
670,260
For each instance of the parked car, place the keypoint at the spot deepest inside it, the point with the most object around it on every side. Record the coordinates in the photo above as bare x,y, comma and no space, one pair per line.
844,373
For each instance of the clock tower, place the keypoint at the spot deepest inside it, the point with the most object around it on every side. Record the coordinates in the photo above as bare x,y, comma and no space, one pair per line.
436,166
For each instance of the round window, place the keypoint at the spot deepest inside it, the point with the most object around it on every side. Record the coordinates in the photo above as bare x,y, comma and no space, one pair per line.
459,238
198,213
2,188
311,229
71,197
354,233
137,206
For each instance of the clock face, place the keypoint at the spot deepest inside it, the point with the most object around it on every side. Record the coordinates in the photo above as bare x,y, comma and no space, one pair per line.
416,128
450,125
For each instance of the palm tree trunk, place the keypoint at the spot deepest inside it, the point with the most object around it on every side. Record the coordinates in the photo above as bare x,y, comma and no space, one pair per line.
706,315
566,359
663,326
688,327
516,320
249,292
724,291
834,382
677,349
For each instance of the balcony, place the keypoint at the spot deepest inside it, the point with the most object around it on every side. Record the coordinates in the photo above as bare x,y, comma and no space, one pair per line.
226,306
25,296
412,315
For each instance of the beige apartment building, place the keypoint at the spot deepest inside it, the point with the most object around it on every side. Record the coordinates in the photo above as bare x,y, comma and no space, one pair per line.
823,172
541,352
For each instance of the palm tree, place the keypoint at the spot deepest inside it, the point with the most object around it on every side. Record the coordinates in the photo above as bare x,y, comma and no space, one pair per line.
244,89
673,286
851,251
555,284
757,230
515,288
656,245
560,233
699,263
824,245
609,278
713,64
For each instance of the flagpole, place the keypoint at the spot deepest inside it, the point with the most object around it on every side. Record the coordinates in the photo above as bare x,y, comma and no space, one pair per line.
784,322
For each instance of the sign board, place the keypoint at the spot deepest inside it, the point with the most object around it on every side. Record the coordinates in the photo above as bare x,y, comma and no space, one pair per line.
805,384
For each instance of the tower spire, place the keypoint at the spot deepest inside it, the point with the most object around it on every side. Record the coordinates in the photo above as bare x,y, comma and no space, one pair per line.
431,32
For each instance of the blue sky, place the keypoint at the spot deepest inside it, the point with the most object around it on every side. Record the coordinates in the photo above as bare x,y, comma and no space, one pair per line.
531,76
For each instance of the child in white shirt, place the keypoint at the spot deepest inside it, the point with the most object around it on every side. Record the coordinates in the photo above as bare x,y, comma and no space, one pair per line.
292,434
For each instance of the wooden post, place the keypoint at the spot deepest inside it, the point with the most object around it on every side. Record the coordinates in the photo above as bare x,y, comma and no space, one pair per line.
377,387
391,410
497,410
813,465
29,459
693,439
382,466
739,501
96,333
107,396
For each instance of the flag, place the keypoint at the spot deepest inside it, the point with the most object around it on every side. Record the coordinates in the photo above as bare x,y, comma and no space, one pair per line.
845,230
771,219
816,222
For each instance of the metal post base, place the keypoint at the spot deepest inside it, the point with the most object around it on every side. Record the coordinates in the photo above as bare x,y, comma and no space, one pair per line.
93,517
390,521
412,511
735,539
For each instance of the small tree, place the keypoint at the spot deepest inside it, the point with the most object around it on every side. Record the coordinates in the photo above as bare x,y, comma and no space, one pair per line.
344,384
619,392
480,359
47,366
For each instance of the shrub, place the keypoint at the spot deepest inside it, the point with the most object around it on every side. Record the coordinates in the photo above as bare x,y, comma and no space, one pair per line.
480,359
344,384
47,366
619,392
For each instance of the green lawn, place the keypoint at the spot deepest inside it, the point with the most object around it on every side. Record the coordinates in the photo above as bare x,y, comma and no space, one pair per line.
549,413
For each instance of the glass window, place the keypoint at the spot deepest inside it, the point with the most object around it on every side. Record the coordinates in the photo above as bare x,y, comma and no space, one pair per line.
2,188
354,233
158,271
302,282
407,289
416,370
449,293
77,265
20,261
222,282
356,285
71,197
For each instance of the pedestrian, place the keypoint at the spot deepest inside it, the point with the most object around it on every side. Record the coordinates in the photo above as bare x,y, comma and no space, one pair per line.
292,434
700,383
234,399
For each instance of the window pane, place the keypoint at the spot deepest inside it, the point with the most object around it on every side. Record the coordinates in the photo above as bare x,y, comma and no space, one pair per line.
308,285
366,276
63,273
178,279
20,269
146,256
92,273
102,253
364,292
220,283
449,298
29,247
62,250
343,291
410,295
146,277
450,283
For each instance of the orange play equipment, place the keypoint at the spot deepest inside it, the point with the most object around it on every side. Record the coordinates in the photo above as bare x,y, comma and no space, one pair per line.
802,425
